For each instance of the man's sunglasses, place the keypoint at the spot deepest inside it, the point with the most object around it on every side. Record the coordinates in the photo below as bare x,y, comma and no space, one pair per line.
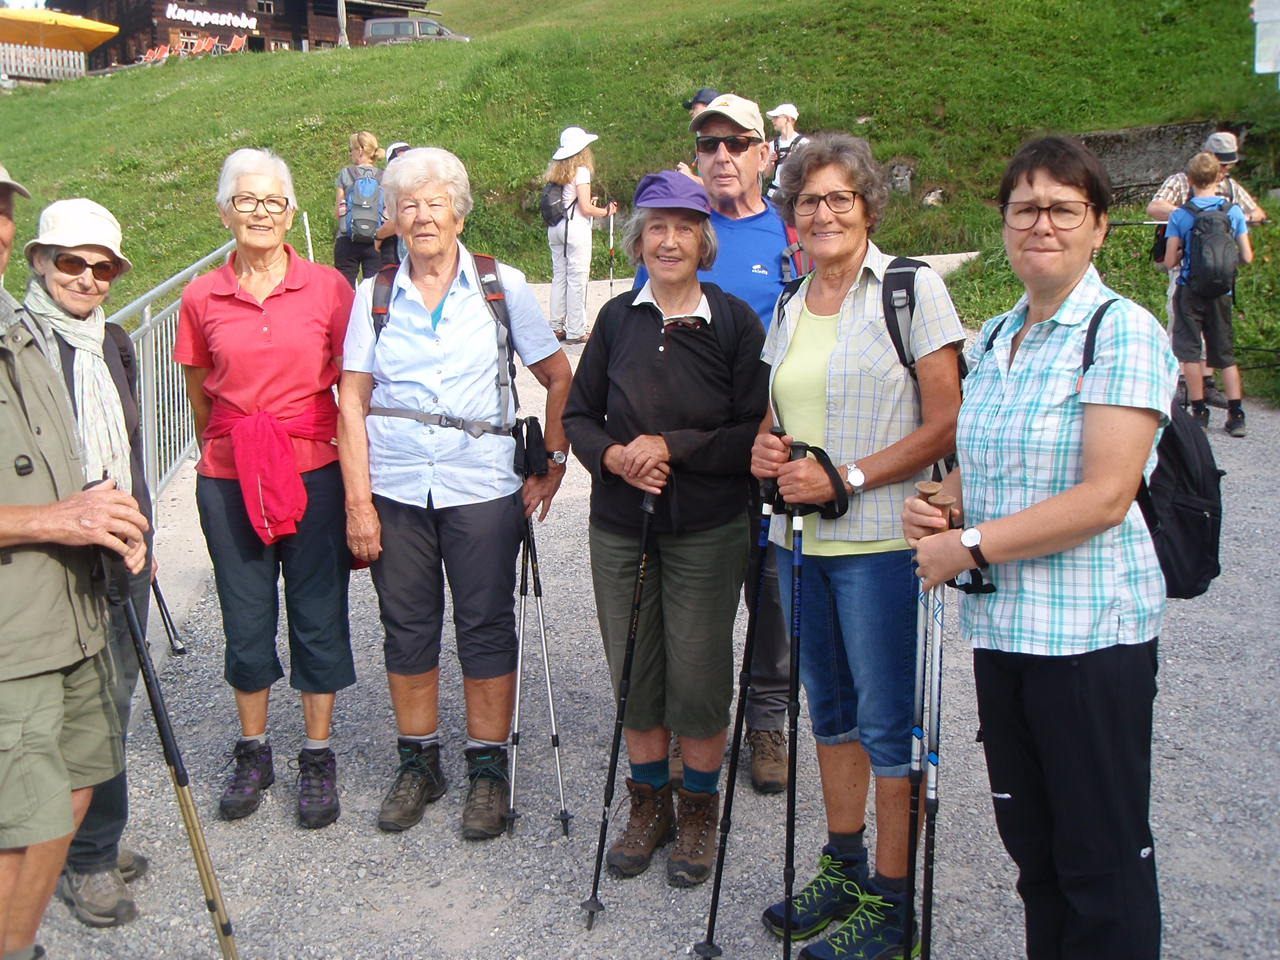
73,266
735,145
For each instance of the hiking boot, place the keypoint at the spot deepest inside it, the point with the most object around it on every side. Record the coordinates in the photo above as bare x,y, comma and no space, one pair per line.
1235,423
97,899
651,825
1213,396
872,932
419,781
675,764
131,864
695,851
252,775
485,813
768,760
1180,393
1200,415
317,789
834,894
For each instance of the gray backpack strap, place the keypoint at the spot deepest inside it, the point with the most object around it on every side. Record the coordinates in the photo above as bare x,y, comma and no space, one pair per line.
495,299
899,295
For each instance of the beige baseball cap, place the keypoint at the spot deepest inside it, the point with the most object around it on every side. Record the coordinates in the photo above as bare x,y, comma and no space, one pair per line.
78,223
745,113
8,181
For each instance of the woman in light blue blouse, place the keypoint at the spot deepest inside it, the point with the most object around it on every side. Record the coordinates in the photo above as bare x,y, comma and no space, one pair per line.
1050,460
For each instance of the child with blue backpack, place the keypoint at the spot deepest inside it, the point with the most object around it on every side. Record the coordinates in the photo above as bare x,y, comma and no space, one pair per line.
1207,239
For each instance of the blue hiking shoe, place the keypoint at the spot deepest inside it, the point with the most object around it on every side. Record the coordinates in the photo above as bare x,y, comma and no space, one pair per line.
872,932
835,893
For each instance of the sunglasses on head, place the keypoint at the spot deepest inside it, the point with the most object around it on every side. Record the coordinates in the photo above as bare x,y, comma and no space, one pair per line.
73,266
735,145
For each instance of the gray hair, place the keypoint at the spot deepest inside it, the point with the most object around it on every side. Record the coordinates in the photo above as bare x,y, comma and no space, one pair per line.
632,236
851,156
246,162
412,168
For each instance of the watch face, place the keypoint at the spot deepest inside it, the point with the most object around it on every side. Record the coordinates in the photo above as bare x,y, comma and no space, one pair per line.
971,537
857,479
559,456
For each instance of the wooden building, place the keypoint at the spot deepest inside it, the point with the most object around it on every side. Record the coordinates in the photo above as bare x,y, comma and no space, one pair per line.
265,24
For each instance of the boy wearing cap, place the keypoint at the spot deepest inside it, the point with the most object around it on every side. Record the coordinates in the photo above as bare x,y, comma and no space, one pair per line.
783,117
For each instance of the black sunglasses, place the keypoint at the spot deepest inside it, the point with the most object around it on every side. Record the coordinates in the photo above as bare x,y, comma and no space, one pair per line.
735,145
73,266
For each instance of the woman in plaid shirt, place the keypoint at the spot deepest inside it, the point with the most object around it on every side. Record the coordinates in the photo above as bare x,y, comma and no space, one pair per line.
1065,647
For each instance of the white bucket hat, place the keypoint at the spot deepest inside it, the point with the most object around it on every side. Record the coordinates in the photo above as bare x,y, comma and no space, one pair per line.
572,142
14,185
78,223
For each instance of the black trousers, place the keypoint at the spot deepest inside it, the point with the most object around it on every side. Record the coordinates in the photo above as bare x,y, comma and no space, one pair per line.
1068,746
352,258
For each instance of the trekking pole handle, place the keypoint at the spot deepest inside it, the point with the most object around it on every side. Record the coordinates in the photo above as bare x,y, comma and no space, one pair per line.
648,503
930,491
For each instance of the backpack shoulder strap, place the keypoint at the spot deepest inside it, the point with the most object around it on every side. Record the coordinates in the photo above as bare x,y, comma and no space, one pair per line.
382,283
898,292
991,338
495,299
124,346
795,262
788,291
1091,336
719,304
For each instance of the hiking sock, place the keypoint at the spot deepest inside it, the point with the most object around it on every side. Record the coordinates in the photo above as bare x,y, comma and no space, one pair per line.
425,740
892,889
315,746
1201,406
656,774
1235,407
474,744
849,847
259,741
701,781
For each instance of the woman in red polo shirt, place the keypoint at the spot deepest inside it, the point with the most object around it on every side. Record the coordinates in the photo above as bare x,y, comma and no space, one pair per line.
260,341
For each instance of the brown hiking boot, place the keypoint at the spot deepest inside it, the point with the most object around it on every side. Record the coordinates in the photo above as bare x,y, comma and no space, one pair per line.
695,850
675,763
652,824
485,813
768,760
419,781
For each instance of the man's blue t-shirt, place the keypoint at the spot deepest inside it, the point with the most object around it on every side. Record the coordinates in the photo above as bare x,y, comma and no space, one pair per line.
749,264
1180,223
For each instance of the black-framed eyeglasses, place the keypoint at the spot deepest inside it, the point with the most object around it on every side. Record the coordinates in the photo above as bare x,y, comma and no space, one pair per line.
1063,215
837,201
248,203
104,270
736,145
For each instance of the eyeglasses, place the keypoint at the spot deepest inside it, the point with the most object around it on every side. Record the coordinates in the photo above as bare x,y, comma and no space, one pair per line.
248,203
73,266
735,145
838,201
1064,215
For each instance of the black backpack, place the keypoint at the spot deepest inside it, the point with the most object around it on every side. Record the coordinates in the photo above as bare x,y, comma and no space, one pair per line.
552,206
1213,254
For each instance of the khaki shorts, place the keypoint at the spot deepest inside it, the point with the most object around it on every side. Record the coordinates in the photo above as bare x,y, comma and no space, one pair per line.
682,672
58,732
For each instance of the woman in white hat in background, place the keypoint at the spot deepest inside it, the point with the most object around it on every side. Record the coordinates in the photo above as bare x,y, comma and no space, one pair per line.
570,240
783,117
74,259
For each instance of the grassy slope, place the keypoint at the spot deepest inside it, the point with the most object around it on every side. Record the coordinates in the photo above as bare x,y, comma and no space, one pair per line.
954,86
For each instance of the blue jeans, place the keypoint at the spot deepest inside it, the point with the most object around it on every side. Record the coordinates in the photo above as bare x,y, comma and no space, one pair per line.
857,650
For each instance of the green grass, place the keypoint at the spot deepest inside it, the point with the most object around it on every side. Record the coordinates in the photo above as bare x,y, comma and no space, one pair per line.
953,86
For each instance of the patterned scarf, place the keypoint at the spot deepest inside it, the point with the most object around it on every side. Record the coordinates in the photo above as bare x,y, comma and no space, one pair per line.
99,413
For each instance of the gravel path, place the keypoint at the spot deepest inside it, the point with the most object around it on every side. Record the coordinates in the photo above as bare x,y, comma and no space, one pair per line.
350,891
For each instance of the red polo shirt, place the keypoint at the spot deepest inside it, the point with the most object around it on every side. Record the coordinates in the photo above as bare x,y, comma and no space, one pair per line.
274,357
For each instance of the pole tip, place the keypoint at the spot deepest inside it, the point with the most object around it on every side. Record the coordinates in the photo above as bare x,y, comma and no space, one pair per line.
706,949
593,906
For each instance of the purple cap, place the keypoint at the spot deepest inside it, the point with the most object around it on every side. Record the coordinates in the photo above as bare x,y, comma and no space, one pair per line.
668,189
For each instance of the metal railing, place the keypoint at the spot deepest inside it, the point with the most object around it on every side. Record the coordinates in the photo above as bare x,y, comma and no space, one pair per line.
168,432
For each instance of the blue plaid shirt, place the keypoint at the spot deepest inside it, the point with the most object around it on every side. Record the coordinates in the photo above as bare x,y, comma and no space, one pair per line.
1019,440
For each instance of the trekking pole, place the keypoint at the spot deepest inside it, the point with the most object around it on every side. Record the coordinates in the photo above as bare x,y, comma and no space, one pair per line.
564,816
170,628
610,255
768,491
592,904
512,814
924,490
118,590
798,452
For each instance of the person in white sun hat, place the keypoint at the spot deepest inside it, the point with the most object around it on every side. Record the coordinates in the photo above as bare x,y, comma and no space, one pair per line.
783,117
572,166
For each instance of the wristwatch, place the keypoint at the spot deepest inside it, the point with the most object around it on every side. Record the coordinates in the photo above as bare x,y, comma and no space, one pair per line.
854,477
971,539
558,457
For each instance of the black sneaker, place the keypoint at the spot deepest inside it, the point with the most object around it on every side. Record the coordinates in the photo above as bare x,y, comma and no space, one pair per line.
485,813
317,788
835,893
419,781
1200,415
252,775
1235,423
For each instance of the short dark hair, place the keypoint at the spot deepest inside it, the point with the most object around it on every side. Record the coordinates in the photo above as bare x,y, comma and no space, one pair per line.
1065,160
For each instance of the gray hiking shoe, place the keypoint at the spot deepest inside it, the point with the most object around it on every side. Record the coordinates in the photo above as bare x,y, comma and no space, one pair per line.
99,899
1213,396
419,781
131,864
485,813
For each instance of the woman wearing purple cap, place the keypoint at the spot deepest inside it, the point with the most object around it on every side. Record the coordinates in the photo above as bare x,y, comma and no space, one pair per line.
639,427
